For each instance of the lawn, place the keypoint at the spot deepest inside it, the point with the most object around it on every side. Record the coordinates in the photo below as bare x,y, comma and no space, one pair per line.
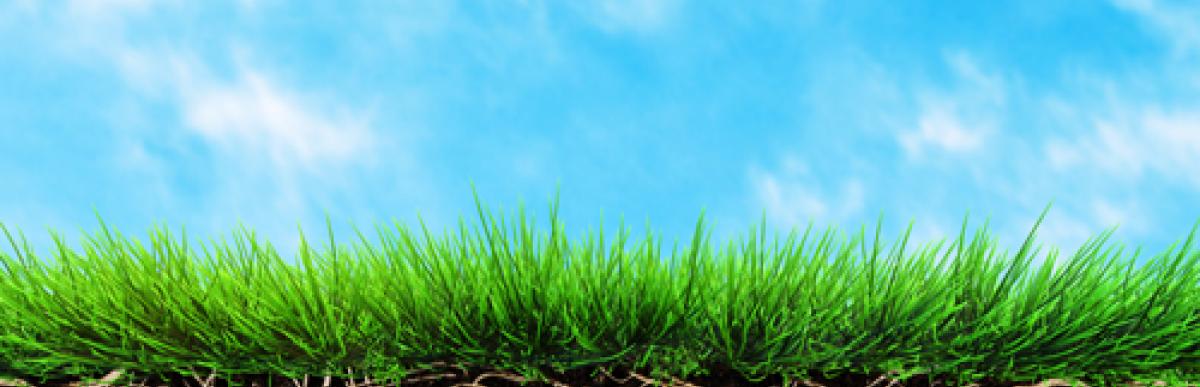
507,297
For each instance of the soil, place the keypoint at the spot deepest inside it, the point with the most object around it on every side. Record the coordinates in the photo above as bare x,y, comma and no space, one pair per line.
458,376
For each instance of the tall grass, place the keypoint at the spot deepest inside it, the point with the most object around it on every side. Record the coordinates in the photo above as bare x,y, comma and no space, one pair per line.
522,300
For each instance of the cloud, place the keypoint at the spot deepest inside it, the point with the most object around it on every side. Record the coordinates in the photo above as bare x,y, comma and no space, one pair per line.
940,128
105,9
271,144
1125,215
630,15
132,155
250,6
1059,230
793,197
940,125
1165,143
1069,224
255,122
276,150
249,114
252,115
1110,149
989,87
1061,154
23,7
1178,24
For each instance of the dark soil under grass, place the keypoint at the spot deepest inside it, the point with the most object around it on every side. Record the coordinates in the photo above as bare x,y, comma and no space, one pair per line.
486,377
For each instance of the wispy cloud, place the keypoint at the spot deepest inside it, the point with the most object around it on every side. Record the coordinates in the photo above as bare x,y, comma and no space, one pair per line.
272,143
253,116
15,8
1178,23
250,114
638,17
941,124
986,88
1066,228
277,151
940,128
1062,230
107,8
1167,144
1127,215
793,196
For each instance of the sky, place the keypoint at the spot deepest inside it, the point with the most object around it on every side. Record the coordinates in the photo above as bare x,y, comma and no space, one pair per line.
274,115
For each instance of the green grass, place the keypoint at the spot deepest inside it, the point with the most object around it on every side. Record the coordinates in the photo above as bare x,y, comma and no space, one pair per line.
518,299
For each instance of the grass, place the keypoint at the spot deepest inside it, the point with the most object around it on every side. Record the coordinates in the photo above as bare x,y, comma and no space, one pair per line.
526,300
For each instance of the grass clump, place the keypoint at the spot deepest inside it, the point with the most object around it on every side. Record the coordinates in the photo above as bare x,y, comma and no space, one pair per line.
527,300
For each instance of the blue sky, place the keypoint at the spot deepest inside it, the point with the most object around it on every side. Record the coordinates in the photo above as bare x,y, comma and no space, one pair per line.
204,115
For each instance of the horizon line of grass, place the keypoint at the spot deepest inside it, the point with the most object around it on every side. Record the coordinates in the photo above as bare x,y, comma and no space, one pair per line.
511,302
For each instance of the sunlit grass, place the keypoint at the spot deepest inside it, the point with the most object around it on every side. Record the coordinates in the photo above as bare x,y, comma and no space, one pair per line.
518,299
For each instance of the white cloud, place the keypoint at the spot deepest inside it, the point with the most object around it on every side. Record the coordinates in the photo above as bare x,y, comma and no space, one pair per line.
249,115
631,15
277,150
1168,144
1118,151
1179,24
989,87
1127,215
20,6
792,198
1109,149
19,13
528,165
942,125
105,9
250,6
926,231
1067,227
940,128
1175,144
1059,230
272,145
254,115
1061,154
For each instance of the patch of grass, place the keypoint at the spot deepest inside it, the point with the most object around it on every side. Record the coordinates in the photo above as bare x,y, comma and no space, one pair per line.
518,299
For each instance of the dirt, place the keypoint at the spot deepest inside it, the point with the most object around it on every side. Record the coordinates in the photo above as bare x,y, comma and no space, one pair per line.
482,377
